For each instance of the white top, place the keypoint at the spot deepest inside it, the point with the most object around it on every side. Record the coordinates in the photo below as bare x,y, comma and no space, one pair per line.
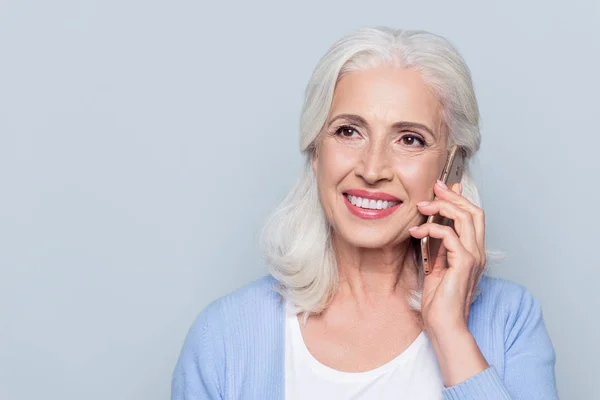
414,374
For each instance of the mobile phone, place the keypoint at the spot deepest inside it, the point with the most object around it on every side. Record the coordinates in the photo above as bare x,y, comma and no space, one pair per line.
451,174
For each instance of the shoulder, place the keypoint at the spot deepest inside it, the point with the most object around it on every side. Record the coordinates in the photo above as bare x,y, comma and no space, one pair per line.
508,303
493,288
240,311
503,293
231,320
253,298
228,322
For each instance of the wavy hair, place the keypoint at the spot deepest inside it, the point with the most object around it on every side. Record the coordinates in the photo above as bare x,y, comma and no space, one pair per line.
296,237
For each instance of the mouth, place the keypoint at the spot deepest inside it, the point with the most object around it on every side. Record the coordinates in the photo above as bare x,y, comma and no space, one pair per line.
366,208
370,204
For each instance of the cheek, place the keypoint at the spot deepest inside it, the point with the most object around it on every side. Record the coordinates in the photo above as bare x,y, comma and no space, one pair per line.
418,177
335,164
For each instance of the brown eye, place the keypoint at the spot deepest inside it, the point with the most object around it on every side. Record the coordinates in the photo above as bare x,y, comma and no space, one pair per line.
346,131
410,140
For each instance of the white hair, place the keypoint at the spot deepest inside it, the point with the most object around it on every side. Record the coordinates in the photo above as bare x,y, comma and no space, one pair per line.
296,238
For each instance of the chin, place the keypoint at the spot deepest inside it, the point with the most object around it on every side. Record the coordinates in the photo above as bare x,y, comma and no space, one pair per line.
367,237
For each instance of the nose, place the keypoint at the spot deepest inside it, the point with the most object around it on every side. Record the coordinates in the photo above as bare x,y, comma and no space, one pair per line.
375,163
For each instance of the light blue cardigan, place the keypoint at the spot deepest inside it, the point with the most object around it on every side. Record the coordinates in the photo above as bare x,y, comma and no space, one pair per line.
235,347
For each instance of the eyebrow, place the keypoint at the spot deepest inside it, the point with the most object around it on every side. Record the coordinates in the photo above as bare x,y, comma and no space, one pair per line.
358,120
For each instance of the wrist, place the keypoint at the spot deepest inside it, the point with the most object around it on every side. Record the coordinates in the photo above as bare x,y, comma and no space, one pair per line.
458,355
448,335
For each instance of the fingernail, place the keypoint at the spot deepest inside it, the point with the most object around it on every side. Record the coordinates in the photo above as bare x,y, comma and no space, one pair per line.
422,203
460,188
414,228
442,184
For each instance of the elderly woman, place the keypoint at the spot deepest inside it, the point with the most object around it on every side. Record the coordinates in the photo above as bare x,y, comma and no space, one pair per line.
347,311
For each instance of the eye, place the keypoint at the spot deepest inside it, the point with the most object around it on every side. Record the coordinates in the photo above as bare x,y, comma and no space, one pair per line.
346,131
410,140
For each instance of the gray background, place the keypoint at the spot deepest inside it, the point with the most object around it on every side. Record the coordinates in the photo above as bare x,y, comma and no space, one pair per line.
142,144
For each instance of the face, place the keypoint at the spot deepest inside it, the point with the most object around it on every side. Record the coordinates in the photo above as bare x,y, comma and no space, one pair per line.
379,153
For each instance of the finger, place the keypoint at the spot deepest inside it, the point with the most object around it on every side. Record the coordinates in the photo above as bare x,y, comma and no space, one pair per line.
476,212
457,188
463,221
449,239
441,260
478,219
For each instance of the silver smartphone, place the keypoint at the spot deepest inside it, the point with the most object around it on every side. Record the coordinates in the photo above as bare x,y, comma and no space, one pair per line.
452,173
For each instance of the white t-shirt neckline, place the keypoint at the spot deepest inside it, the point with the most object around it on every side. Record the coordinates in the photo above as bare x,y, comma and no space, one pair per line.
341,376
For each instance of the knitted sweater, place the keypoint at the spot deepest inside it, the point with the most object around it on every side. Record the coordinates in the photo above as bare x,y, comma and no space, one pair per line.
236,346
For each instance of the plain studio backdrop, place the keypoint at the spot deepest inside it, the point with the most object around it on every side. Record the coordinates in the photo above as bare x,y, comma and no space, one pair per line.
143,143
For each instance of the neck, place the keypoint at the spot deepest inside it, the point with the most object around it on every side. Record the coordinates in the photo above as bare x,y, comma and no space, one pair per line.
374,275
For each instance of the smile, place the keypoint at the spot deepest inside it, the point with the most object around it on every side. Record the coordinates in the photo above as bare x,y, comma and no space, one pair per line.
369,203
369,208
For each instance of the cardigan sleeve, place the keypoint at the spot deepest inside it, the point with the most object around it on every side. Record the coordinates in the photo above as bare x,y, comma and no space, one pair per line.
195,376
529,360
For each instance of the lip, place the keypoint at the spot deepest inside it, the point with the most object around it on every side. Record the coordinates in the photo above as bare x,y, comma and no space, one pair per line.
365,213
372,195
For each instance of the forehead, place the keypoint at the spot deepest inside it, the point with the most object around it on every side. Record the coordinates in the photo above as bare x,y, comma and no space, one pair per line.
385,95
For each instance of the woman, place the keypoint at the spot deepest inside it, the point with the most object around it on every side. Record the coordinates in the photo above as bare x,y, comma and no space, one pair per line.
346,311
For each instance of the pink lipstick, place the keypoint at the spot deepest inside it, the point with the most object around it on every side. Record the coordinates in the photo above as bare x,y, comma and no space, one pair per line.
370,202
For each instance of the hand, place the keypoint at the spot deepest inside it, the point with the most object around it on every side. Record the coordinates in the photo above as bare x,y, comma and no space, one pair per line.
448,290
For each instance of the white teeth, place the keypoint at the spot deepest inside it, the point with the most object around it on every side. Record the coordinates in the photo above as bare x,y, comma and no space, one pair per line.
370,204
